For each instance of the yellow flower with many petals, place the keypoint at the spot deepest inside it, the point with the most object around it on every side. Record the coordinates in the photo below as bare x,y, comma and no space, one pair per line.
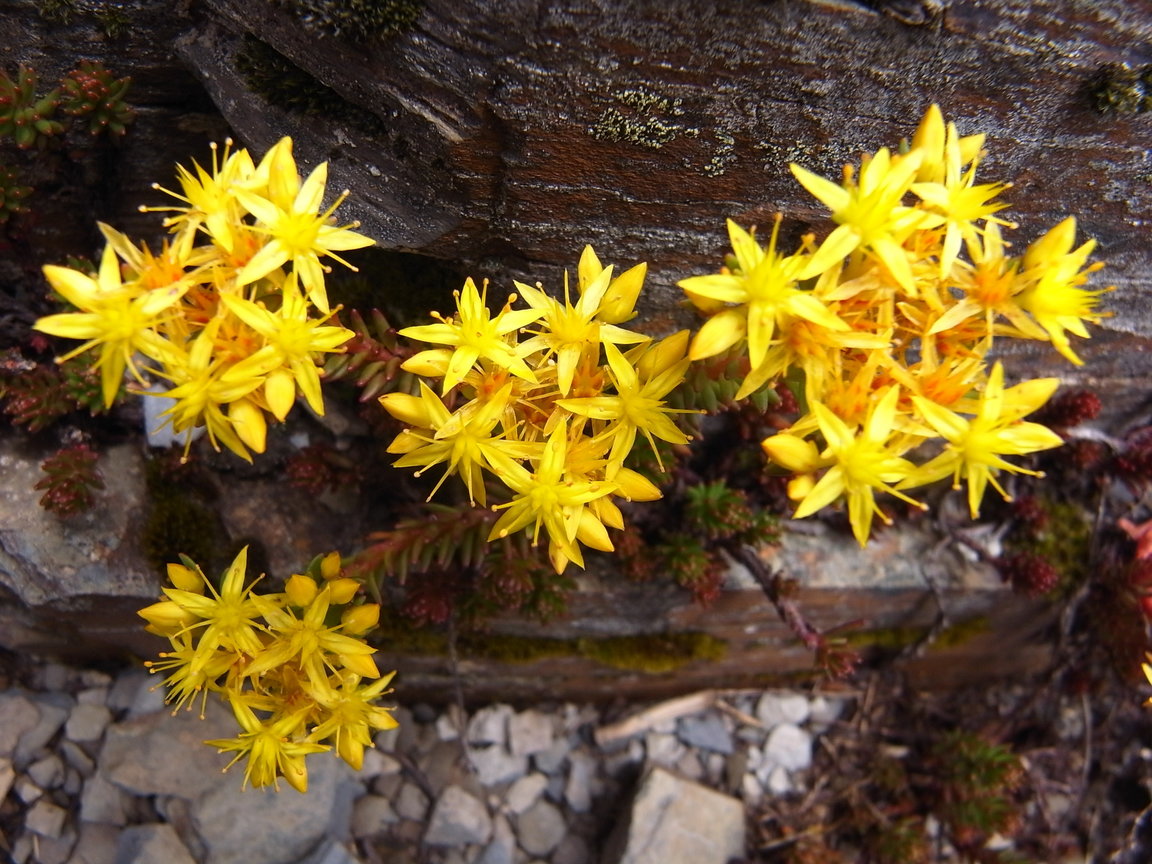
765,292
271,747
475,333
118,317
549,497
295,339
976,447
297,231
870,214
861,462
572,331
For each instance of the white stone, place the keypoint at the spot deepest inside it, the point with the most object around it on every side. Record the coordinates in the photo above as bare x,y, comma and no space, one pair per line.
675,821
151,844
372,815
541,828
458,819
525,791
47,773
663,749
93,696
377,764
96,844
789,746
489,725
778,782
263,826
529,732
496,765
87,722
501,849
578,788
157,427
776,708
77,757
446,728
45,818
7,777
161,754
102,802
550,761
18,716
412,803
823,712
751,790
27,791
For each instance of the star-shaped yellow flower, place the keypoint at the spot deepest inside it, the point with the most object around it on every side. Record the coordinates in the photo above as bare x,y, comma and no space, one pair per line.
475,333
976,447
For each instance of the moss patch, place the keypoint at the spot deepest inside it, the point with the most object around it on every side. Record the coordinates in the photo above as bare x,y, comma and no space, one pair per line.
654,654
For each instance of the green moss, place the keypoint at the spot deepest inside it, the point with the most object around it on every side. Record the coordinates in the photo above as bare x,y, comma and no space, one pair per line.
902,637
650,653
180,521
1065,541
280,82
515,649
57,11
653,653
358,20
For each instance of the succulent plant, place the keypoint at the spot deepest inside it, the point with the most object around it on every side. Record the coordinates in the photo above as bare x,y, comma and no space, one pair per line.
23,115
12,193
91,93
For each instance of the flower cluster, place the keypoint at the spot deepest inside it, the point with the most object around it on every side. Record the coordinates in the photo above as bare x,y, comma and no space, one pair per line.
548,400
291,665
890,323
228,322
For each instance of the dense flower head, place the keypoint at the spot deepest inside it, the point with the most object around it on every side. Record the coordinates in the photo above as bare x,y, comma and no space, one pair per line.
291,665
889,320
547,401
226,312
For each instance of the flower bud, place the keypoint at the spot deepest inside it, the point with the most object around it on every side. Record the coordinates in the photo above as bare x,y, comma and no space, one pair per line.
343,590
166,618
358,620
185,579
330,566
301,590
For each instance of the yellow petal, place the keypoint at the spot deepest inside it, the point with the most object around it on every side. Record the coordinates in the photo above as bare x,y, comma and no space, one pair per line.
249,423
301,589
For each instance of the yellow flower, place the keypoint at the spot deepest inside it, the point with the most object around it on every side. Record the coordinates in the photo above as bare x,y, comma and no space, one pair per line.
1054,270
476,334
464,440
295,339
572,331
296,229
991,286
269,746
305,641
957,198
227,619
619,302
350,718
205,382
975,446
766,293
550,498
637,406
210,196
869,214
861,461
117,316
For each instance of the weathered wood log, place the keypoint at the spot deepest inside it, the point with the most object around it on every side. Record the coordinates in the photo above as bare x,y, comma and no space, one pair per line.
531,128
